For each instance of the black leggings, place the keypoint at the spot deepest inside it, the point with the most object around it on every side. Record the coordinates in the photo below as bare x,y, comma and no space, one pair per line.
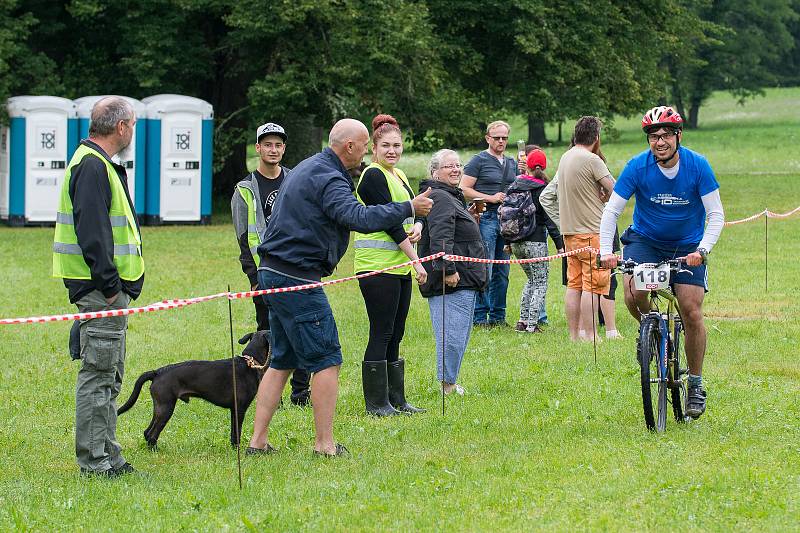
387,297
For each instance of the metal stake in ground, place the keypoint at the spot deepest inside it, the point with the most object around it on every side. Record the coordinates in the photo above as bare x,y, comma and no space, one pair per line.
444,291
591,295
766,248
235,399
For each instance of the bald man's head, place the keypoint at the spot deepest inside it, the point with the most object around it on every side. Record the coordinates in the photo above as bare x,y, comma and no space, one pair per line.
349,139
344,130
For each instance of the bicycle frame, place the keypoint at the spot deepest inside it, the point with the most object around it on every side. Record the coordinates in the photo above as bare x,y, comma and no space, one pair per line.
666,325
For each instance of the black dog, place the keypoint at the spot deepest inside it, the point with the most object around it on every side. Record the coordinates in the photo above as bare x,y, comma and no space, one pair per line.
209,380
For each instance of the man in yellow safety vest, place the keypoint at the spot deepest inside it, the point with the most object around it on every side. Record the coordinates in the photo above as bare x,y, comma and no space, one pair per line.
97,250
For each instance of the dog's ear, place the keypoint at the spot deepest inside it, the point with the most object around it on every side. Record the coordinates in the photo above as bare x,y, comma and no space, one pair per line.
246,338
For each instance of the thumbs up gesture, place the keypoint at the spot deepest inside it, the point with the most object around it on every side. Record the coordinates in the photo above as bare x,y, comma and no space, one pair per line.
422,204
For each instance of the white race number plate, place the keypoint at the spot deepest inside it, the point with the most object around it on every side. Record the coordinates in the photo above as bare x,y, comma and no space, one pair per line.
649,277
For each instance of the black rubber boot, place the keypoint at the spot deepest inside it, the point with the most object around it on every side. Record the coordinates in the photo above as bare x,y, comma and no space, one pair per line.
397,387
301,395
376,392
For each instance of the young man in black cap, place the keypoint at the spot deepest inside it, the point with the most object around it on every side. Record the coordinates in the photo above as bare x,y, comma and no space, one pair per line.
251,207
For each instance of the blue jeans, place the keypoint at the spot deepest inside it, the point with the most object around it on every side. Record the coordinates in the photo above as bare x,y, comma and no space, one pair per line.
491,305
458,324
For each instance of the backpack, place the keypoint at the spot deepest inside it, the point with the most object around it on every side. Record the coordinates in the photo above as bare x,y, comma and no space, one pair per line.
517,215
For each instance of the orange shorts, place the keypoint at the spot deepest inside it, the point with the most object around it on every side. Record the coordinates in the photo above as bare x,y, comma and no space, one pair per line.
583,273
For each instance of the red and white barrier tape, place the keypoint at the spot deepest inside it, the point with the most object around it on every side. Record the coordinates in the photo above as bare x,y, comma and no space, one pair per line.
765,212
770,214
260,292
748,219
183,302
519,261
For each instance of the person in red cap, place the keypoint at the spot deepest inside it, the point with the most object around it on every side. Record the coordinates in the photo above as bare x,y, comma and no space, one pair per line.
525,225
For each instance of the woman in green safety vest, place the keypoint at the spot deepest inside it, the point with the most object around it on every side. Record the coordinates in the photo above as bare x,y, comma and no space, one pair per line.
387,295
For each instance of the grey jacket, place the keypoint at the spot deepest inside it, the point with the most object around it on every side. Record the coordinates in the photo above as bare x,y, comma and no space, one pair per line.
549,201
240,226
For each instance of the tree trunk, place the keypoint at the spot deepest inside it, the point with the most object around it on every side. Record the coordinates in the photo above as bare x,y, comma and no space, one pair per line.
678,97
231,129
481,144
305,139
560,138
694,112
536,134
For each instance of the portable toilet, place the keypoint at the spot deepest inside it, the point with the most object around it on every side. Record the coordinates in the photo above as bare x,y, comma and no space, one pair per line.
35,147
179,159
133,158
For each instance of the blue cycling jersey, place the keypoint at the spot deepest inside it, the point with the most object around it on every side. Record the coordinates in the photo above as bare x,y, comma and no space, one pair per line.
668,211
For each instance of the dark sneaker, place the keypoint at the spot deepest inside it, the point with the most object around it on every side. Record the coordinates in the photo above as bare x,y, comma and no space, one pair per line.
127,468
521,327
301,400
260,451
480,325
534,329
696,402
499,324
109,474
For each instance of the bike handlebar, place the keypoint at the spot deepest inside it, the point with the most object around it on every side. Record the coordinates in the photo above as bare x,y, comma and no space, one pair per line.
675,265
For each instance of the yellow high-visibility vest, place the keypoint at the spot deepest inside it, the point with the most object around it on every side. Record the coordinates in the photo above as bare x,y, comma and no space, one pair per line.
68,261
378,250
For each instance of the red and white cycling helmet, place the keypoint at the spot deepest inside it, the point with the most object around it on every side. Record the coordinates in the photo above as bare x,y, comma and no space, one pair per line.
662,116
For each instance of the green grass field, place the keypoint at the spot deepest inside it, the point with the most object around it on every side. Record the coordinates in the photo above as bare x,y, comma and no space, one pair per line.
545,438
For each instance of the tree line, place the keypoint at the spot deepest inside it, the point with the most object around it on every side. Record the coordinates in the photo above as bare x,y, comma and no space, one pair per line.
442,68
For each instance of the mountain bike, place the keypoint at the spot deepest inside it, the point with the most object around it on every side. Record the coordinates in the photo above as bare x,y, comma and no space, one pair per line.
659,350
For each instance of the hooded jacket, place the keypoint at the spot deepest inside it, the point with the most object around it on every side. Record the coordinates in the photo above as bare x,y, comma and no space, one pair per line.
450,224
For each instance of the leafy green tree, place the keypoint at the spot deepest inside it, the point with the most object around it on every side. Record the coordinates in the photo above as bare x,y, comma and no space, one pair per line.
551,60
22,70
741,40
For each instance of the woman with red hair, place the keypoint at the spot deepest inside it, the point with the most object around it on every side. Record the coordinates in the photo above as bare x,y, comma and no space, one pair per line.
387,295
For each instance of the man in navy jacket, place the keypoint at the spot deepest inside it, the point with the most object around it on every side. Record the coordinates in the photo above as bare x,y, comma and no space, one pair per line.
306,238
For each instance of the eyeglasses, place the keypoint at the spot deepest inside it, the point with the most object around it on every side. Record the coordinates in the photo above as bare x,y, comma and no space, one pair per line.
655,137
452,166
499,137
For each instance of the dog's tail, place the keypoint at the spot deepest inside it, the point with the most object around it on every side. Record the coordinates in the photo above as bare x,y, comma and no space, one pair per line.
137,388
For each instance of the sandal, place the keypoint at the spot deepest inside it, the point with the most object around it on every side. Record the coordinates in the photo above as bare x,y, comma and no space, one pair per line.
341,451
260,451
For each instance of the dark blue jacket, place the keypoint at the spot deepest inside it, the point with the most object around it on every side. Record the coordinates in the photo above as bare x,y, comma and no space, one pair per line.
309,230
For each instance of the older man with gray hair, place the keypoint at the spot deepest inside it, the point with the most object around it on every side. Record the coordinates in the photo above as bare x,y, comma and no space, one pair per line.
97,250
307,235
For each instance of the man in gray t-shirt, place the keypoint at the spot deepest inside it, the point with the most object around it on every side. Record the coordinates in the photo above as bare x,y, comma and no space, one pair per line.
487,176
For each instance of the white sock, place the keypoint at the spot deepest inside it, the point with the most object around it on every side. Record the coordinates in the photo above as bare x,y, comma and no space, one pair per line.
611,333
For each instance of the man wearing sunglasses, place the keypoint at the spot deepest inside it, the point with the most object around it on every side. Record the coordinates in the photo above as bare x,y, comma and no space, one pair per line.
487,176
678,213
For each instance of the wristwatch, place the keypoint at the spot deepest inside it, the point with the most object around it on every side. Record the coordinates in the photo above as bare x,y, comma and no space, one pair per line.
703,253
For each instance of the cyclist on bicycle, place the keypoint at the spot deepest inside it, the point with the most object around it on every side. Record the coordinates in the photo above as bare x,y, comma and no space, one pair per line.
676,194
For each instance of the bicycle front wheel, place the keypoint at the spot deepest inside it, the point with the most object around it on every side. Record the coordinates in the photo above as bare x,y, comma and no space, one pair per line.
655,405
678,369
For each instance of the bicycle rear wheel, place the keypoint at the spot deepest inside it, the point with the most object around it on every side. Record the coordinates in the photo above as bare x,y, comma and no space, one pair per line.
654,405
678,369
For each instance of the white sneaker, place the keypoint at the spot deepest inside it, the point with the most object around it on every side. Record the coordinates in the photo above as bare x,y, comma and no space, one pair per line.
458,389
613,334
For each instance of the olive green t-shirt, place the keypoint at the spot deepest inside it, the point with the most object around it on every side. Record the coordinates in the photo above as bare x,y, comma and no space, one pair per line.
579,206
